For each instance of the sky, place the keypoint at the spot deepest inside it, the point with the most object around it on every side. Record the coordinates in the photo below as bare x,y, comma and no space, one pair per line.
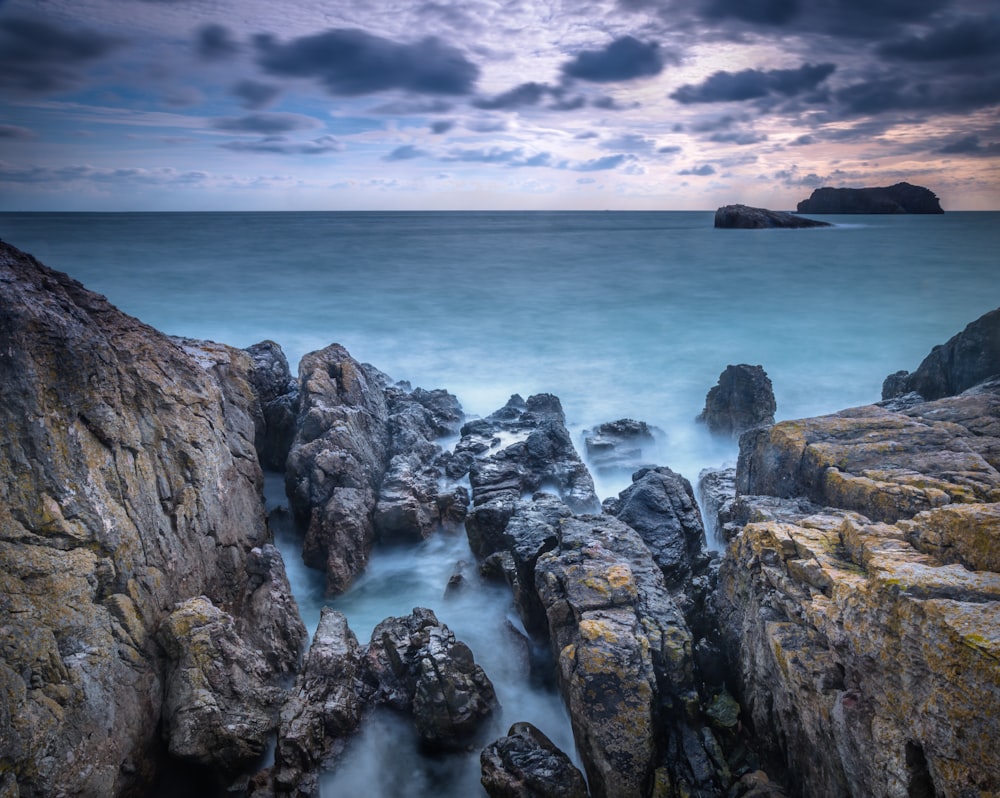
153,105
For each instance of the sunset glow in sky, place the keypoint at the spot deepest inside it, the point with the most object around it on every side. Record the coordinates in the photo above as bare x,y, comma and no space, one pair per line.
493,104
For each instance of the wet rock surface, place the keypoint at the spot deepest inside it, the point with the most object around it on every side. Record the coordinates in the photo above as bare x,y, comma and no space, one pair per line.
131,483
621,446
526,764
742,399
278,395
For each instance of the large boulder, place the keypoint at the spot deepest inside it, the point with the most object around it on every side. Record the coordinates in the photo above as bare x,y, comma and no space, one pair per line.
620,446
131,484
278,394
742,399
526,764
744,217
898,198
969,358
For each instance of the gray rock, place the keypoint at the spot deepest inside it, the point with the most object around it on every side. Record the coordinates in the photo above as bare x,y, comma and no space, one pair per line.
968,358
742,400
743,217
623,445
899,198
526,764
716,493
278,394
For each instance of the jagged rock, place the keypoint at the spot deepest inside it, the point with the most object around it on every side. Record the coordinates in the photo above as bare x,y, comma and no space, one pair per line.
617,446
885,465
131,484
660,506
742,400
716,493
869,665
337,461
324,709
526,764
422,669
278,394
743,217
969,358
899,198
537,452
218,707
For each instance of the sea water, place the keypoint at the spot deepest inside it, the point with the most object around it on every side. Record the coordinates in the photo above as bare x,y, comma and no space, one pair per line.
622,315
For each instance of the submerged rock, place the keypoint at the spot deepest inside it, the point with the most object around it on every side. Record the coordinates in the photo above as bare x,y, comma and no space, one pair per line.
744,217
623,445
899,198
526,764
742,400
969,358
131,484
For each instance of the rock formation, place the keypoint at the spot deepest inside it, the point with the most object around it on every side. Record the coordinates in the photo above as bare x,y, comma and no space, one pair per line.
969,358
860,596
278,393
130,485
526,764
363,463
900,198
619,446
742,399
743,217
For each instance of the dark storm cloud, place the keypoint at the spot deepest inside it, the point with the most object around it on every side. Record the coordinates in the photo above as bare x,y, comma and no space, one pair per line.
437,128
753,84
278,145
352,62
255,95
265,124
36,56
623,59
214,43
965,39
764,12
970,145
880,95
518,97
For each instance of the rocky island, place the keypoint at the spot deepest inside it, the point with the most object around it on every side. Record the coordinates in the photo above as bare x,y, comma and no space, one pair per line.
845,643
744,217
899,198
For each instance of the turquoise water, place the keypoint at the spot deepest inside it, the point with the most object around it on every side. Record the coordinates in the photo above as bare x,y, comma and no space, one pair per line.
619,314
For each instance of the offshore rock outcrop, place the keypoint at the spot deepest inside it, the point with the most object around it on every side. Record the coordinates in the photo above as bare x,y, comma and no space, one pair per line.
860,596
620,446
742,399
968,358
364,464
130,484
899,198
744,217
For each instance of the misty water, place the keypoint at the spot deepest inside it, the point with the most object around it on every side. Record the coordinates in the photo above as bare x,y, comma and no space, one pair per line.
622,315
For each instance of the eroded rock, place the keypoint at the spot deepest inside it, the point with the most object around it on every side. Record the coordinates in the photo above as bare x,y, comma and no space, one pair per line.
526,764
743,399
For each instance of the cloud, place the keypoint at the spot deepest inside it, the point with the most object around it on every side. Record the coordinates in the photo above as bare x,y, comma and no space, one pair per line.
519,96
441,126
215,43
699,171
970,145
279,145
623,59
883,94
629,142
350,62
483,155
405,152
965,39
602,164
86,173
16,133
763,12
752,84
266,124
255,95
39,57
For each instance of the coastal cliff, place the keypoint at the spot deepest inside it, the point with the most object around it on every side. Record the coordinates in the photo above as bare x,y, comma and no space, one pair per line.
845,643
899,198
130,488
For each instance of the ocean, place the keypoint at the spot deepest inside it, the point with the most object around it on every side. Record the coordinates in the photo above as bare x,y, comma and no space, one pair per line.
620,314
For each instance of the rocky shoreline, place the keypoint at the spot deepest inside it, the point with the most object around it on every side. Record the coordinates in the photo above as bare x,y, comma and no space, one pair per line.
845,643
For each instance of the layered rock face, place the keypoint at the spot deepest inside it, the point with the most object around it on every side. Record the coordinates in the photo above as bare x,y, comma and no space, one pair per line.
744,217
900,198
861,596
131,484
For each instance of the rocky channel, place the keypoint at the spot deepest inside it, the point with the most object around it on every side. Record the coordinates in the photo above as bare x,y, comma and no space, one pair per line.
845,643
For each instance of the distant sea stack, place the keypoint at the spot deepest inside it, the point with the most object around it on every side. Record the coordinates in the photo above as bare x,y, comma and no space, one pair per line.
900,198
743,217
